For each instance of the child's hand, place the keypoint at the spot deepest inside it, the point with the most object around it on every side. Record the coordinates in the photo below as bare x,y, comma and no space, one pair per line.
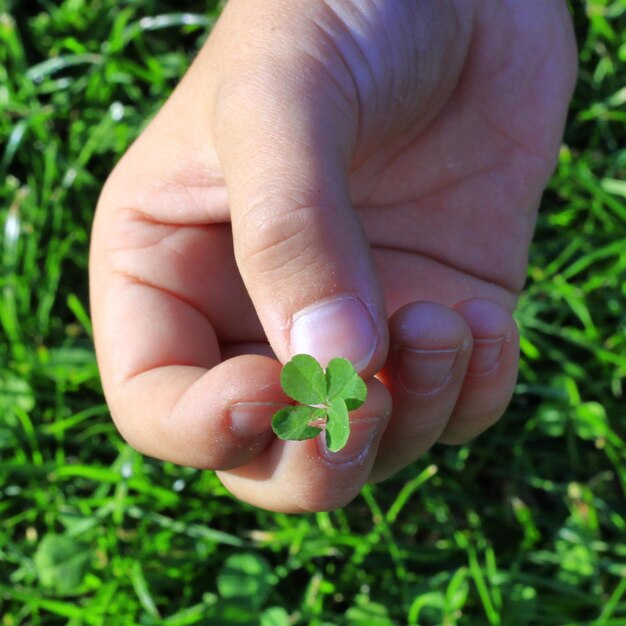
378,166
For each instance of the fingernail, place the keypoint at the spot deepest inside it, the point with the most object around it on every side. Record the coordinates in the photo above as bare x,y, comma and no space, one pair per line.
425,371
337,327
253,418
362,434
485,356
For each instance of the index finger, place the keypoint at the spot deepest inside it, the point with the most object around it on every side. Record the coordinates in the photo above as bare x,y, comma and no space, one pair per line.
158,352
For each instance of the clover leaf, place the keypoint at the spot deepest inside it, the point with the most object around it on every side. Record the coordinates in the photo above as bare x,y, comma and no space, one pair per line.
323,396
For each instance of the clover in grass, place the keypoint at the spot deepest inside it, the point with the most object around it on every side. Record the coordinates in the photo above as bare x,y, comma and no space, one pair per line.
324,396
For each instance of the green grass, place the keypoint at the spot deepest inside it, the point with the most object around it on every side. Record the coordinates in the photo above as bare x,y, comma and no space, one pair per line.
525,526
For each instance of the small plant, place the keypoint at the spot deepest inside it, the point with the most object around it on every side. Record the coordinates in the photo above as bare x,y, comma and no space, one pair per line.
324,396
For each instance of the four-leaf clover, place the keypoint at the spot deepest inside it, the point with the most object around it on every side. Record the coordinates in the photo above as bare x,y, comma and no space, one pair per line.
323,395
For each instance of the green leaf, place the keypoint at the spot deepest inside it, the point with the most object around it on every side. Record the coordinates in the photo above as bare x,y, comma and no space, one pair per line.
340,389
62,563
292,422
368,613
233,612
303,380
275,616
15,391
245,577
343,381
590,421
140,585
338,425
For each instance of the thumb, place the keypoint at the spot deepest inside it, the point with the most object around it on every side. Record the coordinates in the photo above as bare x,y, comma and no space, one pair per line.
284,132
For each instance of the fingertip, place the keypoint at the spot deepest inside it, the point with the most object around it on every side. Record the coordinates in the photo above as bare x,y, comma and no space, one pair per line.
302,476
209,419
367,425
429,343
491,373
486,318
340,326
494,332
251,419
430,348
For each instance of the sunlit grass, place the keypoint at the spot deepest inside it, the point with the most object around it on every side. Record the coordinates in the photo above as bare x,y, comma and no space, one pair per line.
525,526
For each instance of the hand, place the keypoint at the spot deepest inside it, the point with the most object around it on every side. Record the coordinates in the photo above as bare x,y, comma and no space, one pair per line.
342,178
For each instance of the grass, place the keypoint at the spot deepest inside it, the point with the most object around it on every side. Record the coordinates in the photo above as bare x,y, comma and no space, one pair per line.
525,526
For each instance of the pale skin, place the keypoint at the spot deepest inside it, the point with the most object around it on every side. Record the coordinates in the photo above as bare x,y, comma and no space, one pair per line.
353,178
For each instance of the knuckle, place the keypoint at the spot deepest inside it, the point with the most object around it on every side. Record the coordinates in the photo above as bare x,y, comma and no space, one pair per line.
274,243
